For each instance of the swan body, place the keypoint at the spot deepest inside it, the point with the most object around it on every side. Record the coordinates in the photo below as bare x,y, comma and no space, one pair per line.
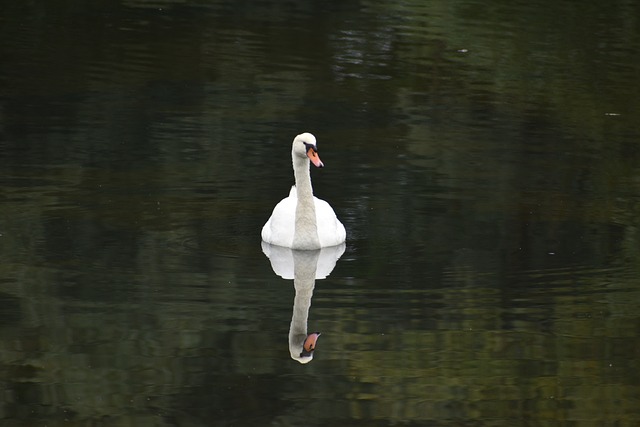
302,221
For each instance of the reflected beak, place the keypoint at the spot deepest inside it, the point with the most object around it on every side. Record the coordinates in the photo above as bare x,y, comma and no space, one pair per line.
312,154
310,342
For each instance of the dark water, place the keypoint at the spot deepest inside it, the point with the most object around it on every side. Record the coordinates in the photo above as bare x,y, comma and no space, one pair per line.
483,156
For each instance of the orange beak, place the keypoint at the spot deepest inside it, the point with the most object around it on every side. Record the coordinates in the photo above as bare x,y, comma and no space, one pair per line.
310,342
312,154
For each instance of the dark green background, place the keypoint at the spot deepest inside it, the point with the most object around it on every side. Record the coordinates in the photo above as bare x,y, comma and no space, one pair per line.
483,156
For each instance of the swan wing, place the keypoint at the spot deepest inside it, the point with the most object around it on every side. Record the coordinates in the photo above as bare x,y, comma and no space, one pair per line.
331,232
280,227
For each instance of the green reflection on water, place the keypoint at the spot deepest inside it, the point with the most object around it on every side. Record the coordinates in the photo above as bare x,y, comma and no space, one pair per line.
483,157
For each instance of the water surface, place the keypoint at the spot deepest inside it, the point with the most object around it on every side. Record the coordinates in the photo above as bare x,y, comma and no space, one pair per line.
482,156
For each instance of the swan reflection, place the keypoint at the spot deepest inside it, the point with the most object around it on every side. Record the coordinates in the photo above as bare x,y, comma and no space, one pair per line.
304,267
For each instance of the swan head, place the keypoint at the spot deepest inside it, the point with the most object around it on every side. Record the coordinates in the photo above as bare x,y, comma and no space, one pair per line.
304,146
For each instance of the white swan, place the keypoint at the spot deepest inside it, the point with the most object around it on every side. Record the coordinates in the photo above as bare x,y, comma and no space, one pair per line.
302,221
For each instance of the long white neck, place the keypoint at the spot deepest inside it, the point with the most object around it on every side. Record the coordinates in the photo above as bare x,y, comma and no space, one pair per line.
306,230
